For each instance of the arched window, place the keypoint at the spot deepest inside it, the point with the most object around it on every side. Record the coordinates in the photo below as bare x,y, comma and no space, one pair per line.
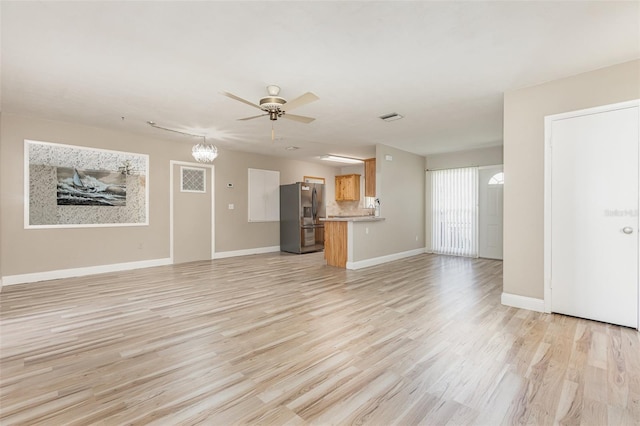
497,179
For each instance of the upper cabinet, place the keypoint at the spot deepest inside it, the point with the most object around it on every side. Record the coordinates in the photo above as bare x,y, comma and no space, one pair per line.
348,187
370,177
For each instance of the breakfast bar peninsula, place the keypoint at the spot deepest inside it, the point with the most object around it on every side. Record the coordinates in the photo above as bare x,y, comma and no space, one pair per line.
338,237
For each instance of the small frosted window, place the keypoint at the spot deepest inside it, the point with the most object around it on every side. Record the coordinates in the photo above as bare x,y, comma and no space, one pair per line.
193,180
497,179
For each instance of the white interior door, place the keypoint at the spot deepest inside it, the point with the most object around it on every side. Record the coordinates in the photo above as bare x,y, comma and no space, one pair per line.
491,180
191,212
594,216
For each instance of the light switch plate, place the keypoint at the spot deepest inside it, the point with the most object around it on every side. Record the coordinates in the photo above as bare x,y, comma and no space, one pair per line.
231,207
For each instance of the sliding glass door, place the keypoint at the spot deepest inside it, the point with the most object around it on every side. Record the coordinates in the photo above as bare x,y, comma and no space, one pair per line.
454,203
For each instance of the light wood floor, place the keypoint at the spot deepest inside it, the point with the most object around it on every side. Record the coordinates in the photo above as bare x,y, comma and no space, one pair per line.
282,339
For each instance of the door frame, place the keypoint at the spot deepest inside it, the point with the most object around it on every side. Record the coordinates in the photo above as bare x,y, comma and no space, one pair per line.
427,201
493,166
548,157
172,164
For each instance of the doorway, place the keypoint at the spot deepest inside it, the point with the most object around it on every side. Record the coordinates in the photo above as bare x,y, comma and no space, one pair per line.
191,212
591,214
466,206
454,211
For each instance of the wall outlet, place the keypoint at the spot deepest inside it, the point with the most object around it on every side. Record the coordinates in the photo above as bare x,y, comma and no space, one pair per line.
231,207
388,157
416,238
366,230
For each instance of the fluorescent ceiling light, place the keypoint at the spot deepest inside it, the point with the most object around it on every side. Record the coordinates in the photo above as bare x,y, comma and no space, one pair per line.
339,159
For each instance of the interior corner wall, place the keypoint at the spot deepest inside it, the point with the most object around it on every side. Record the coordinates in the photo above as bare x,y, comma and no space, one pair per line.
28,251
489,156
33,251
233,230
524,113
400,188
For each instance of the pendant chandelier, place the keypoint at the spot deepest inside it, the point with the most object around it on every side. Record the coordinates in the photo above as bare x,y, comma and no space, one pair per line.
202,152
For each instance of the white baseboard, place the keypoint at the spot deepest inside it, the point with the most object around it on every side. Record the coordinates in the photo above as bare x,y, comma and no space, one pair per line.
81,272
522,302
383,259
246,252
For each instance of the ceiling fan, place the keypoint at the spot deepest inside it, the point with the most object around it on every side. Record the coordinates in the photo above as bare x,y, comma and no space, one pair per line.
276,107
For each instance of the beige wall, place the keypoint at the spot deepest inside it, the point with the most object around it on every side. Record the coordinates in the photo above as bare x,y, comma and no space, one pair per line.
400,188
37,250
474,157
40,250
233,231
524,112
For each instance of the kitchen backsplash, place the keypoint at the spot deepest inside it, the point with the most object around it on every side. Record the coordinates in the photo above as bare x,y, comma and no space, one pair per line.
350,208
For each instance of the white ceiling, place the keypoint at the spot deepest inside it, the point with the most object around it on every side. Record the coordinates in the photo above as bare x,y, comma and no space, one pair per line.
443,65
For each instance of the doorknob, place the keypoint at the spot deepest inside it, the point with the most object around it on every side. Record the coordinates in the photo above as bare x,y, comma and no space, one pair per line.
627,230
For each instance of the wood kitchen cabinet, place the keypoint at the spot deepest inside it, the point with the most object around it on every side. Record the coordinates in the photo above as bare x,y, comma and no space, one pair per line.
348,187
335,243
370,177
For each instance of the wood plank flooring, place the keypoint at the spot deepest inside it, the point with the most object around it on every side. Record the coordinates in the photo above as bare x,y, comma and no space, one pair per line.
285,340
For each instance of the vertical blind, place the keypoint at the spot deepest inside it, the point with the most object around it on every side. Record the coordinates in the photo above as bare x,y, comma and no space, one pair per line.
454,203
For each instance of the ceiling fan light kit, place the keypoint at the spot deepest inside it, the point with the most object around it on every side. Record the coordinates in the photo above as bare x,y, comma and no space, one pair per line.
273,105
276,107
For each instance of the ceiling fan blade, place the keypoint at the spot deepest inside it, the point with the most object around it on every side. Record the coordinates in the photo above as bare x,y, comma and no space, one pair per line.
238,98
299,101
251,118
299,118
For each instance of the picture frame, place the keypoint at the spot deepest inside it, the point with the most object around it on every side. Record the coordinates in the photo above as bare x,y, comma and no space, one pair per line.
313,179
71,186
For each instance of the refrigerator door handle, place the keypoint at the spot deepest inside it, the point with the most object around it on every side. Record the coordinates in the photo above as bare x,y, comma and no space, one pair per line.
314,203
312,226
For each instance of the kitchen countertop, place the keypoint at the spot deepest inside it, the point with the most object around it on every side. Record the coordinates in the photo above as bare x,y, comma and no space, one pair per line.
368,218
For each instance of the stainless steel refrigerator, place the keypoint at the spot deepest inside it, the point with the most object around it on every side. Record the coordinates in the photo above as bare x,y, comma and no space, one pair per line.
301,207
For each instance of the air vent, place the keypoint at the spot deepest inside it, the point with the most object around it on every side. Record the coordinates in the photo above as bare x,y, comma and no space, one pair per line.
391,117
